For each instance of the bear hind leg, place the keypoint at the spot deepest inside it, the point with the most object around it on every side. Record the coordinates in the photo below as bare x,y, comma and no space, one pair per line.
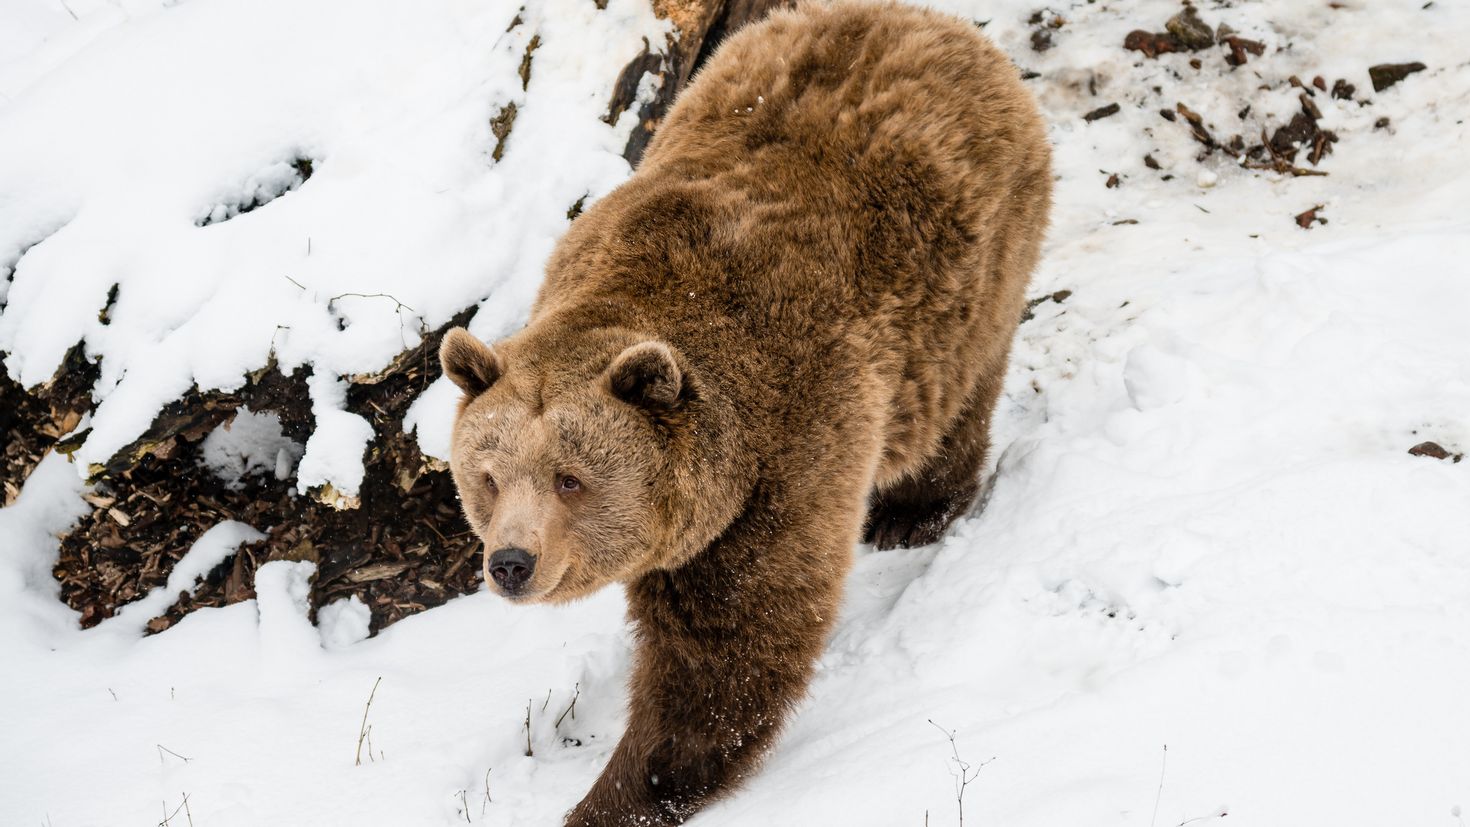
916,510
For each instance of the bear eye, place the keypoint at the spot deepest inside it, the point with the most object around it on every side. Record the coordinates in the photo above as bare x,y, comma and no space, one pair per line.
490,483
568,484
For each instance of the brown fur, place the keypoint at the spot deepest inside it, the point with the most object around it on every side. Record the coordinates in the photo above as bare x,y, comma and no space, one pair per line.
799,309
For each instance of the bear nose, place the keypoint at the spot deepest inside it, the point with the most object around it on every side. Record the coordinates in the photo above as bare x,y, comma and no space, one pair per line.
510,568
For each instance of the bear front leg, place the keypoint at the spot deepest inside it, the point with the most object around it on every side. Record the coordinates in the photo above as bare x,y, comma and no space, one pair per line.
721,659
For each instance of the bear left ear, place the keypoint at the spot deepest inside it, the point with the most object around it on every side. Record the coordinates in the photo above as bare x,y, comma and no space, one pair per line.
469,362
646,375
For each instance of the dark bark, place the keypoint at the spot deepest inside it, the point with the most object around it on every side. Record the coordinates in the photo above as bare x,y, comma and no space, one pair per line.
702,26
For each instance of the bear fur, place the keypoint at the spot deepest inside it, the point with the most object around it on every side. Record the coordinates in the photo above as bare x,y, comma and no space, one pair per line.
787,330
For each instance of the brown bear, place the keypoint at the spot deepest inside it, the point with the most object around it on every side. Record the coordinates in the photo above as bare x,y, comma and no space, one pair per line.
791,323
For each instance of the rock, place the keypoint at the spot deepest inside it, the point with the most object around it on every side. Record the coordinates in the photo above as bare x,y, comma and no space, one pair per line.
1385,75
1190,30
1239,47
1306,219
1152,44
1434,450
1101,112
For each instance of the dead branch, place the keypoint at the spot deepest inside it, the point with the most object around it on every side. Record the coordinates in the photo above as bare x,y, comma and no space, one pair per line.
162,749
1160,794
963,773
572,707
363,729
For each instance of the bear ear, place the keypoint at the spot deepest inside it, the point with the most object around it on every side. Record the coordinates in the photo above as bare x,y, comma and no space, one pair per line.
646,375
469,362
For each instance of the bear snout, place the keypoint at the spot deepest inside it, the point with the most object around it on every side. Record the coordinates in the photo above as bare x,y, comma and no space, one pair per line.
511,568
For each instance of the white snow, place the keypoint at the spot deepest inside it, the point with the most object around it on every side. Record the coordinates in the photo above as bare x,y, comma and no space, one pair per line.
343,622
250,443
431,417
335,448
1203,531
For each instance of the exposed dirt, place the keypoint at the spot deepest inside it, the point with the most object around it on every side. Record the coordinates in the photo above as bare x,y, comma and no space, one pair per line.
404,548
35,421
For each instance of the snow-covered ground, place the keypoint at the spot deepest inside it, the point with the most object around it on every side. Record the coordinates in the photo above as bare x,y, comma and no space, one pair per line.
1204,529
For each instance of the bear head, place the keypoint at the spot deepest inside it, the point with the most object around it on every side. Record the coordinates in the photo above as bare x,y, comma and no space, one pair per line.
578,459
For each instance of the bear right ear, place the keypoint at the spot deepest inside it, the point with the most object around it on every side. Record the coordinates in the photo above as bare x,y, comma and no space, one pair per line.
646,375
469,362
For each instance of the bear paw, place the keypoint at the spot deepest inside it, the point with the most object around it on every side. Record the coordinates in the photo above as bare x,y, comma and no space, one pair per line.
909,525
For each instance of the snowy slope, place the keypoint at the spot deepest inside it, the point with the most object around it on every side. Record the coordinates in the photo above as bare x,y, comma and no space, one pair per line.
180,116
1204,529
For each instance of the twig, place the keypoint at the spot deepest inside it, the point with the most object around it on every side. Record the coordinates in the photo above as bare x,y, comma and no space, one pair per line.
110,692
572,707
1279,163
461,559
486,802
183,805
1198,131
965,775
464,806
423,329
528,727
546,702
1163,765
401,305
162,749
363,729
1223,812
1284,167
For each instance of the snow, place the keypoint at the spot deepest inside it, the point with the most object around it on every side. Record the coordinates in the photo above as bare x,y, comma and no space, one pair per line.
251,443
1203,530
343,622
334,451
110,157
